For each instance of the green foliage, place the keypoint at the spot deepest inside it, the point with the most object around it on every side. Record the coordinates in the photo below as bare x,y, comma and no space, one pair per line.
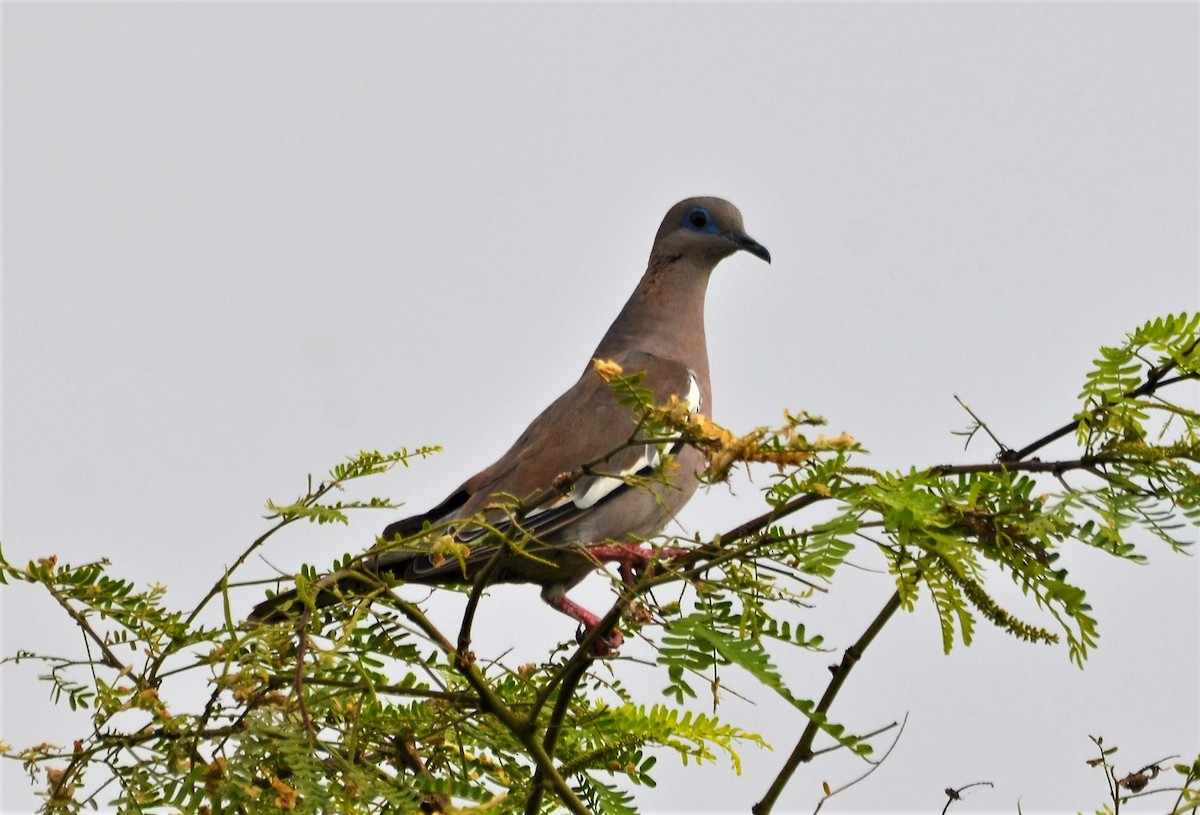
1116,400
942,531
366,463
369,707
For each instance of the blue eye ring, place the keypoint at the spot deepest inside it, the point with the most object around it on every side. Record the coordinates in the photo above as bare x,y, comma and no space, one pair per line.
699,219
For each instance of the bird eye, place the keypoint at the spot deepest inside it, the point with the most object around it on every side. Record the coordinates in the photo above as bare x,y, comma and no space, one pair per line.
698,218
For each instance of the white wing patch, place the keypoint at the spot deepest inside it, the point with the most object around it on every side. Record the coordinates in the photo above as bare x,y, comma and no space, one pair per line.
693,395
605,484
650,458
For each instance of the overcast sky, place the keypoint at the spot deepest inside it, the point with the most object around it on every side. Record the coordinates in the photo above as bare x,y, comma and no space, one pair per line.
244,241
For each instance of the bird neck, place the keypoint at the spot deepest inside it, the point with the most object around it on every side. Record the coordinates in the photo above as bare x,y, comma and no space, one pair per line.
665,315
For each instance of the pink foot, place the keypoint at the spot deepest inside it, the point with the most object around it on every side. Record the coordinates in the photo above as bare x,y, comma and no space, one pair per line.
631,557
604,646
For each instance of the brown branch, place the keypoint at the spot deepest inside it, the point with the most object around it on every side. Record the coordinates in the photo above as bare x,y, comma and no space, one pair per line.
872,734
1034,466
1155,379
767,518
110,659
220,585
875,765
481,582
553,727
491,702
453,697
980,424
406,750
298,679
582,658
953,795
803,751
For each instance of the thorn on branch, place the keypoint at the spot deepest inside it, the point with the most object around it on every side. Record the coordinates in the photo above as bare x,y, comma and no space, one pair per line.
1006,453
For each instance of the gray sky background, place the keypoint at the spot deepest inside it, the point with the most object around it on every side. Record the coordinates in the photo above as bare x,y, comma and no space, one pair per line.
243,241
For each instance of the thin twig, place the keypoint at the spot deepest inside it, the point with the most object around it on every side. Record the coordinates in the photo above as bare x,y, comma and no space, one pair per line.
1155,379
553,727
980,424
479,585
803,750
953,795
875,765
456,698
298,679
491,702
110,659
833,748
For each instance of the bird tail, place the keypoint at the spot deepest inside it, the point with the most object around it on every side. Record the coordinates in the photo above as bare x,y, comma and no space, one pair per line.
398,564
328,591
368,577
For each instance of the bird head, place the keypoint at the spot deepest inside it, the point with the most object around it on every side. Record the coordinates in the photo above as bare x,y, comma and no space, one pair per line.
706,230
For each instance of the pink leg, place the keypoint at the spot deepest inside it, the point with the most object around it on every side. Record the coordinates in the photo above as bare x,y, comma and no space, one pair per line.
631,556
556,597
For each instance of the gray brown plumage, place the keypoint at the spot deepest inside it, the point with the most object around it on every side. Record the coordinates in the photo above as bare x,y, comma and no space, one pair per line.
660,332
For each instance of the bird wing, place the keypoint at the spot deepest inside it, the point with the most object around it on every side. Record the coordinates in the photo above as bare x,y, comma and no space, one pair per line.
587,425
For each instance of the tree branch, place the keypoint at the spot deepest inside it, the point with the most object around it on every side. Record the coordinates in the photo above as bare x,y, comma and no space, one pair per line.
803,750
481,582
553,727
493,704
110,659
875,765
1033,466
1155,379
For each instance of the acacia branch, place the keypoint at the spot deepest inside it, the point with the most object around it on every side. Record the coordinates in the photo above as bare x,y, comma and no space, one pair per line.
481,582
221,585
109,658
875,765
492,703
1087,463
567,690
767,518
803,751
1155,379
451,697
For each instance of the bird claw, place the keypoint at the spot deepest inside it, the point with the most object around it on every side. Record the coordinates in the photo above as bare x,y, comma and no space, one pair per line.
604,646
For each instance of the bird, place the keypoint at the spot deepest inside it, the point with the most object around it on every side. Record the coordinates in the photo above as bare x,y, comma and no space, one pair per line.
613,504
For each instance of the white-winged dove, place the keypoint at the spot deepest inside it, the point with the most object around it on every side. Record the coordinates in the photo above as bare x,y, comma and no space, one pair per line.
601,516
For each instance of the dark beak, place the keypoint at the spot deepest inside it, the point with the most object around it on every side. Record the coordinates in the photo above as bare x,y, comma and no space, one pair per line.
747,244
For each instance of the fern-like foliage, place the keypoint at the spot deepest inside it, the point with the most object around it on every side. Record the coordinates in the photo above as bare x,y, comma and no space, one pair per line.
369,707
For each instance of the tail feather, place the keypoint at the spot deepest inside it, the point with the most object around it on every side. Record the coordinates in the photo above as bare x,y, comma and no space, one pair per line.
391,565
406,567
287,604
